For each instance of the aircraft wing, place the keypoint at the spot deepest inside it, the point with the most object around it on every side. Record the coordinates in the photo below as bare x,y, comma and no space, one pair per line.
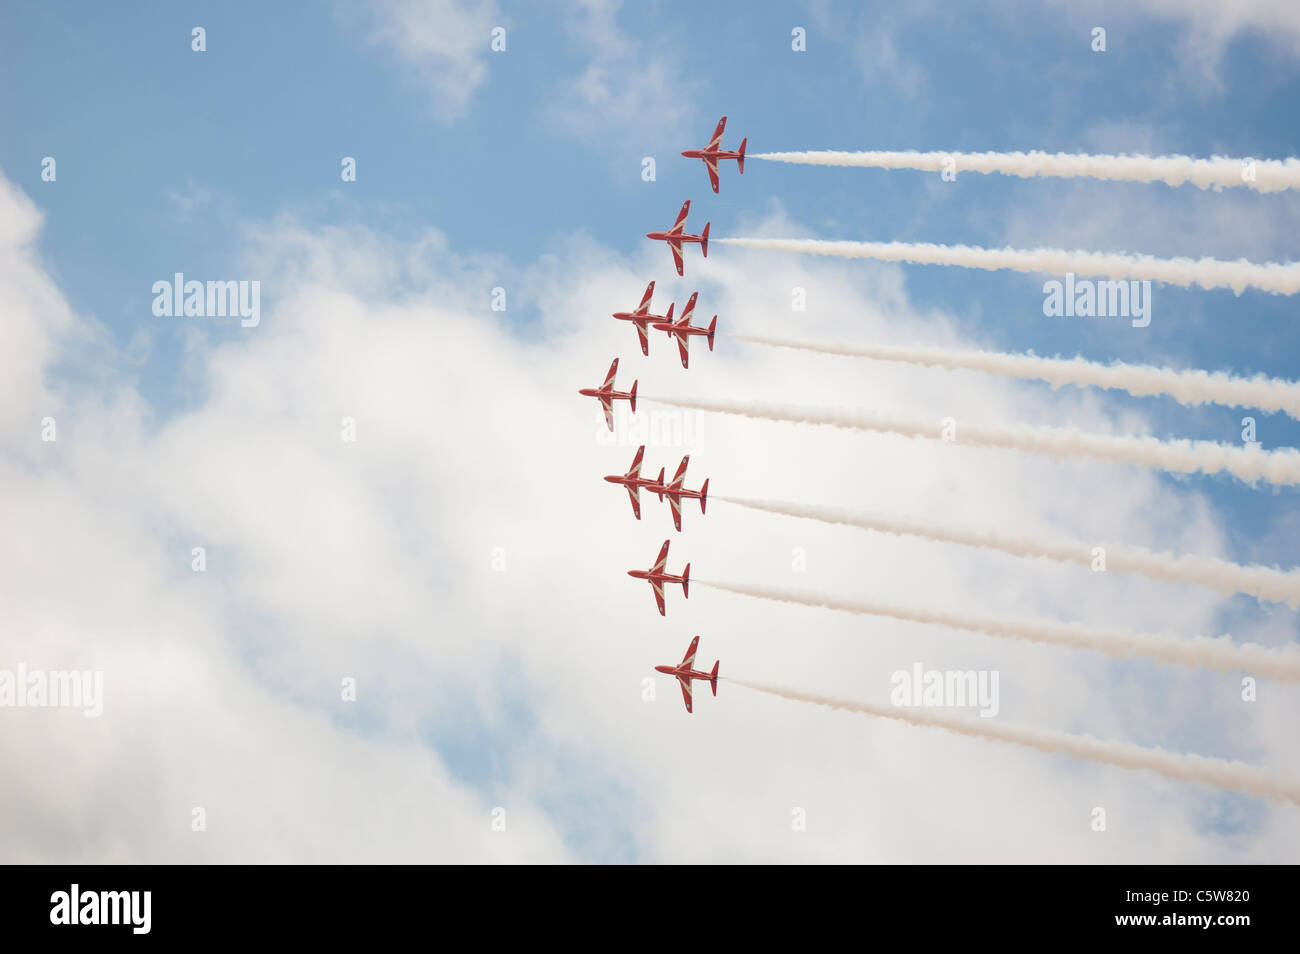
663,559
716,141
688,661
643,335
633,491
608,406
712,165
676,504
642,308
609,378
686,692
685,317
681,473
635,469
681,218
677,255
683,346
659,595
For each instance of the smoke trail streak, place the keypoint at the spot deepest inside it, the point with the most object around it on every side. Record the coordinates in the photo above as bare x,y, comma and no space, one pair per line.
1197,651
1227,774
1219,172
1187,387
1261,582
1248,463
1278,278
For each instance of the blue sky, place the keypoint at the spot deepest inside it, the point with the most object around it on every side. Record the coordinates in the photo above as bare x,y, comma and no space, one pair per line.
256,126
169,159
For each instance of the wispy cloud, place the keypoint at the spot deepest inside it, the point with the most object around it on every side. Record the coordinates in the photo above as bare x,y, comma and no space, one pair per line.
446,42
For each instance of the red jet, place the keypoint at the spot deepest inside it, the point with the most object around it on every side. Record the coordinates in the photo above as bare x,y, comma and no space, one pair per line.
714,151
685,673
675,492
607,395
658,577
641,318
675,237
633,481
682,329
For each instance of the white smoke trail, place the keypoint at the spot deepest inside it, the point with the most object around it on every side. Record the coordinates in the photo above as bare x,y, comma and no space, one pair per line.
1219,172
1227,774
1261,582
1278,278
1187,387
1248,463
1198,651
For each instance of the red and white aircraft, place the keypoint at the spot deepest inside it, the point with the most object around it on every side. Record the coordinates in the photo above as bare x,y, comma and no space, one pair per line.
607,395
682,329
658,576
714,151
642,318
676,237
685,673
633,481
674,491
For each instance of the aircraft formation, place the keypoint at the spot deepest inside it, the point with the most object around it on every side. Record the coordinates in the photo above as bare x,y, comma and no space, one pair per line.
680,330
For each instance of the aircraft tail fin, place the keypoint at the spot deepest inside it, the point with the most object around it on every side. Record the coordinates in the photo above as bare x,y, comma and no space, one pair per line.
668,315
713,676
704,240
713,326
631,401
740,163
686,582
704,494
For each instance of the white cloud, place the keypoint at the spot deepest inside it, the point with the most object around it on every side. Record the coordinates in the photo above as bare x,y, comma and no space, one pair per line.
445,41
374,559
1213,24
631,90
